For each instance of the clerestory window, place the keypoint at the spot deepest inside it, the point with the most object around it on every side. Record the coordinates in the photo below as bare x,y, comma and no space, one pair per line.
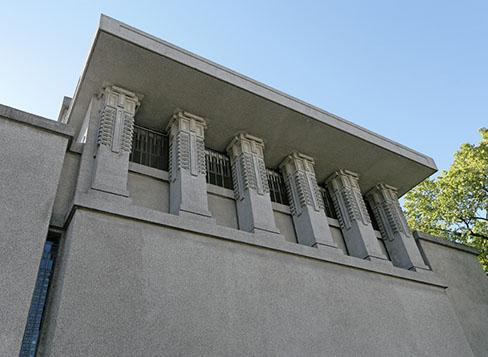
277,188
219,170
328,204
150,148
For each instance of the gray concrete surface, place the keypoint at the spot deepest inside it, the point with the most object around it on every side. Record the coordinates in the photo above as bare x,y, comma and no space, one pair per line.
66,188
147,191
284,223
140,289
173,77
467,287
223,210
32,150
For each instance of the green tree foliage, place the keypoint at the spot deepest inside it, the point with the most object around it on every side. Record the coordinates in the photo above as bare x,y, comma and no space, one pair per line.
454,205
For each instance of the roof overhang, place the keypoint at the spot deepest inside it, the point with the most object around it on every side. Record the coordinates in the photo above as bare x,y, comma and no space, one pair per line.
171,78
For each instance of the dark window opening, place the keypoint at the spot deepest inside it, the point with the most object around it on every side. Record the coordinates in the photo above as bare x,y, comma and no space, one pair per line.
219,171
374,222
328,203
32,331
150,148
277,188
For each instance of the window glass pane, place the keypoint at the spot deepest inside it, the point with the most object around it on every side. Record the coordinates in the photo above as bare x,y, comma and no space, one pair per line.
44,276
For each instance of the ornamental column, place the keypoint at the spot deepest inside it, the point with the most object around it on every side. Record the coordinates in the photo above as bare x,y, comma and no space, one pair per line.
353,216
399,242
116,125
187,168
251,189
306,203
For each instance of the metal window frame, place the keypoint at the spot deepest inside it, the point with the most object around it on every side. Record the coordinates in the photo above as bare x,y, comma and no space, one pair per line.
277,188
146,151
218,169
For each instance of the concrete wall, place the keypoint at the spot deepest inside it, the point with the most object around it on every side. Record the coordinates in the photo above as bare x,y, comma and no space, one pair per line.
467,288
284,222
32,150
223,210
66,188
133,288
338,238
147,191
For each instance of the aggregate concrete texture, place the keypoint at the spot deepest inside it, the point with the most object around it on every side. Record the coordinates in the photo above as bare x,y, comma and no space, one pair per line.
32,150
467,288
133,288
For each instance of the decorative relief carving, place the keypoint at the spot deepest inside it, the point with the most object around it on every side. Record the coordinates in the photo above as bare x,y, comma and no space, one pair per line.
248,167
117,119
388,213
186,144
105,132
347,199
301,184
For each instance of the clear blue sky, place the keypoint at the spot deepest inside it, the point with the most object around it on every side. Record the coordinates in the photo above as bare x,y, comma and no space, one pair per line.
413,71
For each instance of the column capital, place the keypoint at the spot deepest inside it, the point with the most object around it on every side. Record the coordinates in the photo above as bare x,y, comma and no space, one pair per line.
393,220
348,197
187,145
304,191
298,161
245,143
188,122
246,153
117,118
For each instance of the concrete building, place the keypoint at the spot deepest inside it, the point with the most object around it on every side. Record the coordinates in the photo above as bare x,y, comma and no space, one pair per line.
177,208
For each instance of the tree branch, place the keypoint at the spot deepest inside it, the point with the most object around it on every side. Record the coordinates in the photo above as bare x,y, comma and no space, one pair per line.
470,230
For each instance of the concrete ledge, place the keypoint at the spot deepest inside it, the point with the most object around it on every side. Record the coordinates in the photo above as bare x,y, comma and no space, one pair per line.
36,121
333,222
149,171
107,204
445,242
77,147
281,208
220,191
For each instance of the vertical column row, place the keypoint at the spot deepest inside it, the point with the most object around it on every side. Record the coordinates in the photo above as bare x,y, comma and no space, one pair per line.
188,188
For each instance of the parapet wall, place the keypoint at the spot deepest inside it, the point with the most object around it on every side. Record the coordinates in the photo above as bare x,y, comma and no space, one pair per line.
140,288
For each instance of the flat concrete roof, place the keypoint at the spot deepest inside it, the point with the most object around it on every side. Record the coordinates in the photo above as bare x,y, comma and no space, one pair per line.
172,78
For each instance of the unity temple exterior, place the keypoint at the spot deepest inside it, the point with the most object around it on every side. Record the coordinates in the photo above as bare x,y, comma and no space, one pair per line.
177,208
